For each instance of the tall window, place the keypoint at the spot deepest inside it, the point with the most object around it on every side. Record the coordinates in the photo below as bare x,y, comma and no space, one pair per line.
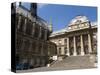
71,51
65,41
78,50
34,46
37,28
85,38
48,33
45,52
33,29
59,42
65,50
59,50
27,45
42,33
17,19
86,49
45,34
19,42
22,23
29,27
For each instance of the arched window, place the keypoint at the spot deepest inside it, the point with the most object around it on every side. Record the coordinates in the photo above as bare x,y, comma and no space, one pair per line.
29,27
22,22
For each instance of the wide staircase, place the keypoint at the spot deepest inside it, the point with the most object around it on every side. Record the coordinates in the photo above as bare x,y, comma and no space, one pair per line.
75,62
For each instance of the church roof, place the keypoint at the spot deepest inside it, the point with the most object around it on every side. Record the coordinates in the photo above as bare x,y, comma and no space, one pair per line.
25,12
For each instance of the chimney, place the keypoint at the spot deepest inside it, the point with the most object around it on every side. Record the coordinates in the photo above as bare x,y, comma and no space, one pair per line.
33,9
20,3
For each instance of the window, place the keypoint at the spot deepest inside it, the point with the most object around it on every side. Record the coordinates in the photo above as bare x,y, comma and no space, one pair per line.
29,27
48,33
27,45
78,21
19,42
86,24
33,29
34,46
36,34
78,38
45,34
40,47
59,42
22,23
59,50
78,50
17,19
65,50
42,33
45,47
86,49
65,41
82,25
75,27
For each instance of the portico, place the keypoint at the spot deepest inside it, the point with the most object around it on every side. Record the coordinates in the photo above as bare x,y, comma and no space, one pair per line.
76,39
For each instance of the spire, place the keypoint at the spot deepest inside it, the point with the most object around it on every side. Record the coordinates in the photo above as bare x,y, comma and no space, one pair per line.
50,26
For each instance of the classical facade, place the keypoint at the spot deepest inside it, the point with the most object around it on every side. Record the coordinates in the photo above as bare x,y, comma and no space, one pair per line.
78,38
32,45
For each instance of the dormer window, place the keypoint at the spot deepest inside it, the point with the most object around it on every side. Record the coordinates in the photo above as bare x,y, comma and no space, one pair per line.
59,42
78,21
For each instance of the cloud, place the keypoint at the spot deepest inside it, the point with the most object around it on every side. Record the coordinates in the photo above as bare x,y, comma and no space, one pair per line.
40,5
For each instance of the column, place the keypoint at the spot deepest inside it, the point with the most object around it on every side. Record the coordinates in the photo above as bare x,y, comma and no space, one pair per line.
89,43
68,46
74,46
82,47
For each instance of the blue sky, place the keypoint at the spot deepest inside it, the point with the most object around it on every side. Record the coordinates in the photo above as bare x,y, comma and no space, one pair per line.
61,15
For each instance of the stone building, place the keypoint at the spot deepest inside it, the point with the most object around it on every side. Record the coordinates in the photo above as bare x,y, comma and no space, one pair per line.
32,46
78,38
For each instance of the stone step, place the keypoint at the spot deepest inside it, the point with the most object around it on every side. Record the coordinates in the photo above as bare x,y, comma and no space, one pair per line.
74,61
